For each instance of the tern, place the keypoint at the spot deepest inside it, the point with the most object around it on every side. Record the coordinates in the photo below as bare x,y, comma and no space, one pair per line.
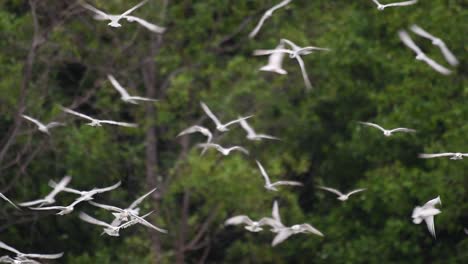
8,200
96,122
275,221
109,229
405,3
63,210
389,132
224,151
272,186
342,197
219,126
132,209
453,156
24,257
40,126
114,19
194,129
275,61
267,15
50,198
127,215
285,232
124,94
406,39
427,213
23,260
251,135
448,55
87,195
252,226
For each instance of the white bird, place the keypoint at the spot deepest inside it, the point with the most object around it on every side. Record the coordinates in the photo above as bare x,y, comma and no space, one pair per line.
96,122
453,156
341,196
87,195
219,126
124,94
267,15
405,3
109,229
252,226
133,209
40,126
17,260
389,132
251,135
275,61
24,256
427,213
275,221
420,55
286,232
272,186
8,200
448,55
194,129
127,215
50,198
63,210
114,19
224,151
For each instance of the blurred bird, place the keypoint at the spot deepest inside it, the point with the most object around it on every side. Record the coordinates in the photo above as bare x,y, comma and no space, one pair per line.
63,210
49,199
448,55
124,94
427,213
96,122
109,229
194,129
272,186
224,151
8,200
405,3
406,39
285,232
342,197
23,257
386,132
219,126
87,195
267,15
275,61
453,156
252,226
132,209
251,135
40,126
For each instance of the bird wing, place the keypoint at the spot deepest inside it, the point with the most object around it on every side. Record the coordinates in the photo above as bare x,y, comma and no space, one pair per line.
133,221
239,148
194,129
107,207
133,8
210,114
281,236
68,110
448,55
139,200
152,27
140,98
8,200
428,156
259,25
124,124
237,220
403,129
142,221
106,189
7,247
311,229
271,222
237,120
406,39
335,191
263,52
87,218
210,145
58,187
293,45
304,72
247,127
44,256
294,183
406,3
436,66
377,2
93,9
433,202
54,124
35,121
421,32
264,174
430,225
275,212
117,86
267,136
373,125
48,208
30,203
355,191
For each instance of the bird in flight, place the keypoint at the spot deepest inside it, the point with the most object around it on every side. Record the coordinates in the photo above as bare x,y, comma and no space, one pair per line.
63,210
267,15
8,200
453,156
194,129
224,151
275,61
252,226
114,19
251,135
272,186
24,257
342,197
219,126
124,94
40,126
405,3
285,232
96,122
389,132
427,213
50,198
448,55
110,229
420,55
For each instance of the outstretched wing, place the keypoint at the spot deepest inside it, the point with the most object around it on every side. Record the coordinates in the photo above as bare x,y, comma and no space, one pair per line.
133,8
35,121
311,229
373,125
429,156
304,72
281,236
247,127
8,200
430,225
68,110
292,183
107,207
335,191
210,114
7,247
93,9
265,16
200,129
355,191
406,39
117,86
264,174
237,220
139,200
124,124
237,120
152,27
403,129
87,218
406,3
106,189
436,66
44,256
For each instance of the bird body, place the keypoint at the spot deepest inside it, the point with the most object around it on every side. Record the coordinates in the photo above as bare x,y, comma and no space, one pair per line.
381,7
452,155
389,132
252,226
96,122
275,61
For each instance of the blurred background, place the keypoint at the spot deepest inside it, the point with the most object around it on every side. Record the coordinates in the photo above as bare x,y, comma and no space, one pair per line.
53,54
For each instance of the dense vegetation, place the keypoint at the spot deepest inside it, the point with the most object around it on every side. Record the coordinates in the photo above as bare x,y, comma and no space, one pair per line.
52,54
